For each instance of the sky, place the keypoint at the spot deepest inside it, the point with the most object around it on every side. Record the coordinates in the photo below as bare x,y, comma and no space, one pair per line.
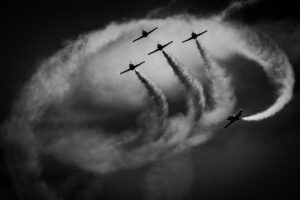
252,159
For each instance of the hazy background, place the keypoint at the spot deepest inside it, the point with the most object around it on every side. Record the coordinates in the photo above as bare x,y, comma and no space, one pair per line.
251,159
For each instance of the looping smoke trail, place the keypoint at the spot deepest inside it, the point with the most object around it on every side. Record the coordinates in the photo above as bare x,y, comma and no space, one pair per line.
234,8
191,85
98,150
49,84
220,89
262,49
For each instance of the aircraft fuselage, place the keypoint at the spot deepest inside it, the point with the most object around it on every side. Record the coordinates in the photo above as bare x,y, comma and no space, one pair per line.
144,33
159,46
131,66
233,118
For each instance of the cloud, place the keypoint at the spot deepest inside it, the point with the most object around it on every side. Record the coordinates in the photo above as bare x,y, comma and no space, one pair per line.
92,67
89,68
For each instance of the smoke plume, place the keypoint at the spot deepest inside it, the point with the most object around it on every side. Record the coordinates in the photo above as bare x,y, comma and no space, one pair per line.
219,87
161,106
156,93
272,59
235,7
191,85
80,89
63,76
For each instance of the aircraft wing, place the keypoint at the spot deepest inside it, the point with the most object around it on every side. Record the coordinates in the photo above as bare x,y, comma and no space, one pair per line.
138,39
201,33
152,30
153,51
166,44
127,70
228,124
240,113
140,64
187,40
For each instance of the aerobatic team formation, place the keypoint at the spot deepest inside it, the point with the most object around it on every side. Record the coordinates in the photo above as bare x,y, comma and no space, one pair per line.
74,112
160,47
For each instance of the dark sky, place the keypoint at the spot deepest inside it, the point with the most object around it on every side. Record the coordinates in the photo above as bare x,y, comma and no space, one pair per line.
35,31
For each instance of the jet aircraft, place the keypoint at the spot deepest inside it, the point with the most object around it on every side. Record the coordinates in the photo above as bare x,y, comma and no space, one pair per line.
144,34
132,67
194,36
233,118
160,47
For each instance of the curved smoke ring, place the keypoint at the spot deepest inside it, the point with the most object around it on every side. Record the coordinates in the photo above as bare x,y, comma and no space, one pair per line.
90,63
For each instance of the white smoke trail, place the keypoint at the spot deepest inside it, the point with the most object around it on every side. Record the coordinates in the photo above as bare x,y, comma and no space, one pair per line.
95,149
47,85
156,93
93,59
235,7
221,90
157,126
191,85
207,84
262,49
